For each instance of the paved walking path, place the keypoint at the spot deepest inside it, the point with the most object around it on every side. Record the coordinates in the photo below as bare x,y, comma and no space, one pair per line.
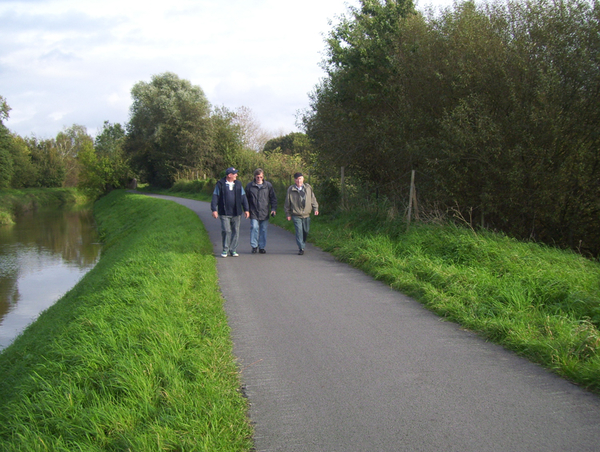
333,360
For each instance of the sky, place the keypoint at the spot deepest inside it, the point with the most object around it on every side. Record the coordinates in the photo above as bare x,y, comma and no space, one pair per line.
65,62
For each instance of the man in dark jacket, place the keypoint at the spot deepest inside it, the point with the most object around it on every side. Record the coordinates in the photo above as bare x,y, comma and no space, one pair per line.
229,203
261,195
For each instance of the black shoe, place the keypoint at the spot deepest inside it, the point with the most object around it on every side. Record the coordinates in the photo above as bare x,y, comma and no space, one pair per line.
300,253
254,250
262,251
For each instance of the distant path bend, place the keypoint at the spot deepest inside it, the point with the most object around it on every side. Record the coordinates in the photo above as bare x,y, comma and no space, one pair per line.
333,360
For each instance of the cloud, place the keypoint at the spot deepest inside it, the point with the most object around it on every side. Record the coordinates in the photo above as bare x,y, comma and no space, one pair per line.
66,62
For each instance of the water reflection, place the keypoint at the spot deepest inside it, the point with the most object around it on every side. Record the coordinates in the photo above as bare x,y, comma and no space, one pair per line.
42,256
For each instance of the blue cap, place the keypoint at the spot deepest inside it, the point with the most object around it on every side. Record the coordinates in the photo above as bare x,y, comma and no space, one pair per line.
231,170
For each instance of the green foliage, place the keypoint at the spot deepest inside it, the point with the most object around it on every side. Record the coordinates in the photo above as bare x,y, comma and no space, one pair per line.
104,167
25,173
49,166
4,109
494,105
69,143
169,129
294,143
227,140
205,187
6,161
110,141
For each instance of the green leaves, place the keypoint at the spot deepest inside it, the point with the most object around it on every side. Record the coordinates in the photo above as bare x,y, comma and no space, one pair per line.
169,129
496,105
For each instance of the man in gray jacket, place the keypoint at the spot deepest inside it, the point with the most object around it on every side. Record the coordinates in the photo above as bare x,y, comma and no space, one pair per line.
300,200
260,195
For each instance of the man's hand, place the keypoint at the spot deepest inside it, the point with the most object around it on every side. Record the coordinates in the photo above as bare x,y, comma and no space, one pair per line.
289,218
215,214
316,212
247,214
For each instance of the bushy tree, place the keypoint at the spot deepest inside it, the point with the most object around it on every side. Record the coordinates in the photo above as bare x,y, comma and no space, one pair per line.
24,171
495,105
295,143
227,140
6,163
48,163
104,166
69,143
169,129
111,140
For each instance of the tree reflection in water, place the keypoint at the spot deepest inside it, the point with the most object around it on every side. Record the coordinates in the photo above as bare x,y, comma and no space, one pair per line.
42,256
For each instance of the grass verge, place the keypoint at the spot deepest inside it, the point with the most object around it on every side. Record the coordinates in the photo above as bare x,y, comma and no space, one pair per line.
137,356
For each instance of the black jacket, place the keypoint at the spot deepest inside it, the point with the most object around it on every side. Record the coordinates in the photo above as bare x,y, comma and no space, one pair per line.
218,198
259,199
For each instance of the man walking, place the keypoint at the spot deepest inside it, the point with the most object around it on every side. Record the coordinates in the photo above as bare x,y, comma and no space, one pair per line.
229,203
260,194
299,201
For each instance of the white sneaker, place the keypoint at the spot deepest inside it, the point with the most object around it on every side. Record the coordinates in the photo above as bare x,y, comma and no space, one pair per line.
223,254
234,254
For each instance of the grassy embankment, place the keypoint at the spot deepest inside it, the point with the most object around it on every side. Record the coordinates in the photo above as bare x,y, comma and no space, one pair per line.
137,356
13,202
541,302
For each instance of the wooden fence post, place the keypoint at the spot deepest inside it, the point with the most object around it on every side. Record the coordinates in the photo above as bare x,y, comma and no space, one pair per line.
343,188
410,198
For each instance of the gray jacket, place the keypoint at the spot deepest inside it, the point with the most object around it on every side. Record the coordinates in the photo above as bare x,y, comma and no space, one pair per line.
293,202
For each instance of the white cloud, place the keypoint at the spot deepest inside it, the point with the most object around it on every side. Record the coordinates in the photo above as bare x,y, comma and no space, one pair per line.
67,62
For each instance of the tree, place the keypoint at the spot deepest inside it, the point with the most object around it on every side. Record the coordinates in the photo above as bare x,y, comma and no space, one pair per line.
24,171
4,109
355,118
496,106
295,144
110,140
104,166
253,136
169,129
49,164
6,162
69,143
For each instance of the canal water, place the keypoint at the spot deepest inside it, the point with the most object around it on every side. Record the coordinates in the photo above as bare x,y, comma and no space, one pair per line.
42,257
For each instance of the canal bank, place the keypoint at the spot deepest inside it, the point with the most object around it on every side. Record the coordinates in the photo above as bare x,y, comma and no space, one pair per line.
15,201
137,355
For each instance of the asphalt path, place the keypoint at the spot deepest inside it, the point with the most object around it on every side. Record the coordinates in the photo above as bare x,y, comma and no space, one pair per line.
332,360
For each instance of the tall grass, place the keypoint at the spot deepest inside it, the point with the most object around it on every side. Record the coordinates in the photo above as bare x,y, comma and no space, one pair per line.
137,356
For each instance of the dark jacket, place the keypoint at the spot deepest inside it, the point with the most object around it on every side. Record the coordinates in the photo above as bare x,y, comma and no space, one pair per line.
218,198
259,198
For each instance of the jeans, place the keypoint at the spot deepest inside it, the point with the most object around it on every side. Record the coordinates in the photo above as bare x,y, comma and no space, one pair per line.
258,233
302,225
230,228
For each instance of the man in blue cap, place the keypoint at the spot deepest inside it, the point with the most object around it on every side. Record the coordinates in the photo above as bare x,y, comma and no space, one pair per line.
229,203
